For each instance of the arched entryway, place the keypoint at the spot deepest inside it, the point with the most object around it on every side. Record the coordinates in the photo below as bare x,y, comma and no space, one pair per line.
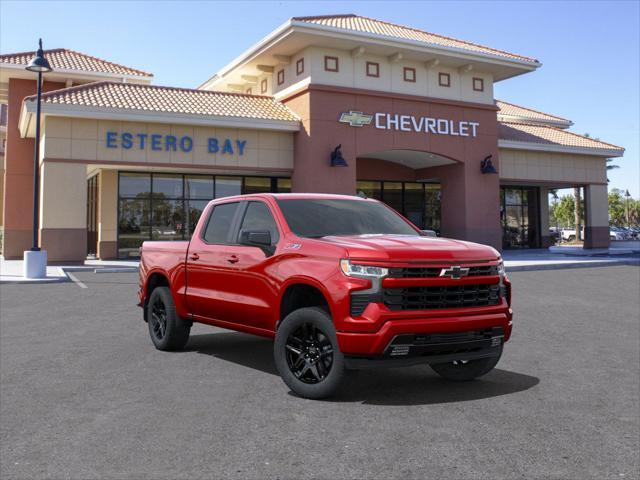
406,180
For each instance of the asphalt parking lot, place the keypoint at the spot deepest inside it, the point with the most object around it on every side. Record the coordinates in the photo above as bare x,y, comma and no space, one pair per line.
85,395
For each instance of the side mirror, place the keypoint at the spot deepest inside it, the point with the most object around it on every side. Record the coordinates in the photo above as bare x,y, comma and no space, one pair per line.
258,238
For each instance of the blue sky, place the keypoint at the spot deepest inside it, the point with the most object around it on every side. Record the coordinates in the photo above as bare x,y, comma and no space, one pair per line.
589,50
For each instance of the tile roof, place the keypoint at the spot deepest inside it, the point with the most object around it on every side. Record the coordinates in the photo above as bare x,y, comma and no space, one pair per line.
512,110
152,98
369,25
546,135
65,59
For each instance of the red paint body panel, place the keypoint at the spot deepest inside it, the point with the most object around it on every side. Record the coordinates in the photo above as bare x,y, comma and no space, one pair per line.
246,294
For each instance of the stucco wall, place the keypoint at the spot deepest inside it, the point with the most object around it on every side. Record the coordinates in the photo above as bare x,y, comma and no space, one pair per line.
352,73
523,165
85,140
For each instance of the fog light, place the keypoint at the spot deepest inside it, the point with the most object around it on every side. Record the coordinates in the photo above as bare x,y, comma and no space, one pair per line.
496,341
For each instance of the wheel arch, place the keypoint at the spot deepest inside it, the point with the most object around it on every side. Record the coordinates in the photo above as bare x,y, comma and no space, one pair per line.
155,278
300,293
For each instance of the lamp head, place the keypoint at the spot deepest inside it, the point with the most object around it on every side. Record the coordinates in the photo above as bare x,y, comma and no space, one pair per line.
337,160
39,63
486,166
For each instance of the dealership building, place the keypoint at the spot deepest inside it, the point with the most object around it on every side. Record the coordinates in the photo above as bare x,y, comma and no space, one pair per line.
340,104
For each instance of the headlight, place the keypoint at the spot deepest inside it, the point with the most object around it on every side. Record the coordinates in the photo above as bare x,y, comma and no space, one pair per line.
368,271
501,270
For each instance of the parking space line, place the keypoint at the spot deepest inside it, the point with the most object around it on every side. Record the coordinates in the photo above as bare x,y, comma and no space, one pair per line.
75,280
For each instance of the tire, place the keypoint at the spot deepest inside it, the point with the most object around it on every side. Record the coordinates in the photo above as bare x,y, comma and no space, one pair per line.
307,355
464,372
166,329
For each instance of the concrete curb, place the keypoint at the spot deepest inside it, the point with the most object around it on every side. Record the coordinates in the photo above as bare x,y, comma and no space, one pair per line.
563,266
115,270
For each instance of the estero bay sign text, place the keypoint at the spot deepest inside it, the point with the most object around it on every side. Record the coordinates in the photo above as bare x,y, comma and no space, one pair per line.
411,123
171,143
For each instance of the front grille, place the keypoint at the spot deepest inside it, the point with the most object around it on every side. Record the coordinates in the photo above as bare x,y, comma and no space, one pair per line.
429,298
434,272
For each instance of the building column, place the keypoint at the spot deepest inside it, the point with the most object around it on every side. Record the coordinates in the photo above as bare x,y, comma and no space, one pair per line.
543,211
470,203
107,215
596,205
18,174
63,211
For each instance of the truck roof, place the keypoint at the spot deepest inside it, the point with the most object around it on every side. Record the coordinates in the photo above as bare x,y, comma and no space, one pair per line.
297,196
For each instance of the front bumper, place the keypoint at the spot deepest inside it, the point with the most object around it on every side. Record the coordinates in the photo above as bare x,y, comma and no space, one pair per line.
410,349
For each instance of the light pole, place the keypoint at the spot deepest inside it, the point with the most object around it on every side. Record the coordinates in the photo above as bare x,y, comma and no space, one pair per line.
627,195
35,260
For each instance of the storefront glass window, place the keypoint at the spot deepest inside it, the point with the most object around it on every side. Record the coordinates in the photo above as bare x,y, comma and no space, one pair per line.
432,207
419,202
392,195
284,185
135,185
167,186
228,186
133,225
167,206
414,202
369,189
257,185
198,186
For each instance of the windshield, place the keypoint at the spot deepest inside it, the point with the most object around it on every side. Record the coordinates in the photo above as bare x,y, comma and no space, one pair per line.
317,218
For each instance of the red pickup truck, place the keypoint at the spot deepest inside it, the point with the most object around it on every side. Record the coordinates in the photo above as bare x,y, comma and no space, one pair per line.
339,282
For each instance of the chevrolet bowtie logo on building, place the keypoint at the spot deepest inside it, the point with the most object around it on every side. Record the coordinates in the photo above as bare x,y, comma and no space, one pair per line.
356,119
455,273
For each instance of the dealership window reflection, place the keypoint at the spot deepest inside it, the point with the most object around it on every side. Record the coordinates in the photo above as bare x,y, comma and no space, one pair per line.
419,202
162,206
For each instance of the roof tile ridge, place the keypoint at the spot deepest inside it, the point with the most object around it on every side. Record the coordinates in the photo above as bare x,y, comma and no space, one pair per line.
318,17
533,110
31,52
75,88
562,130
449,38
147,74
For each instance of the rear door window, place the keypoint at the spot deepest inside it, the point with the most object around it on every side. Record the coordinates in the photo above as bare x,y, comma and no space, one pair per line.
220,222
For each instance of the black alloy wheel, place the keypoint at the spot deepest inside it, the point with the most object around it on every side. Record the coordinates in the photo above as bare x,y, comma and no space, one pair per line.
309,354
167,330
158,320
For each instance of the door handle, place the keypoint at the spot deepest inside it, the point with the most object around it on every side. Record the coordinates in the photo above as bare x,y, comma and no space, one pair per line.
194,256
233,259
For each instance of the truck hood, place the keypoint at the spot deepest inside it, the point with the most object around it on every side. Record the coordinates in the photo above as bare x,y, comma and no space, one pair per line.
407,248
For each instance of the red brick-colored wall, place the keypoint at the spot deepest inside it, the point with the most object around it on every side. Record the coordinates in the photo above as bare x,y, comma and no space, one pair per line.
470,200
18,178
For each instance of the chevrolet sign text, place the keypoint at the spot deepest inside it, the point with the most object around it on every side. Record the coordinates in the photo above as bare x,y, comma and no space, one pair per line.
410,123
438,126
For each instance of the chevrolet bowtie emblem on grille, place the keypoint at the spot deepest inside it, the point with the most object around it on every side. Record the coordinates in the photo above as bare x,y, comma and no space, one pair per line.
455,273
355,119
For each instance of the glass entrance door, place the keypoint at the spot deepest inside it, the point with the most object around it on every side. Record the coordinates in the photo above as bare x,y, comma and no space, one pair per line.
520,217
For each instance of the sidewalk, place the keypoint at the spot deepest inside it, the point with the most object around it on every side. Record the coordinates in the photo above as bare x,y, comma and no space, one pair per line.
543,259
11,270
514,260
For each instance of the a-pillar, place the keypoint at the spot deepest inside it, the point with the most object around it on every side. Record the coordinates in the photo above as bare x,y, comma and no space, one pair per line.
107,214
63,211
596,204
543,208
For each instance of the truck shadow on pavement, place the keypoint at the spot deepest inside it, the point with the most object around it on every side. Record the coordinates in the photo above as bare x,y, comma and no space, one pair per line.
417,385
